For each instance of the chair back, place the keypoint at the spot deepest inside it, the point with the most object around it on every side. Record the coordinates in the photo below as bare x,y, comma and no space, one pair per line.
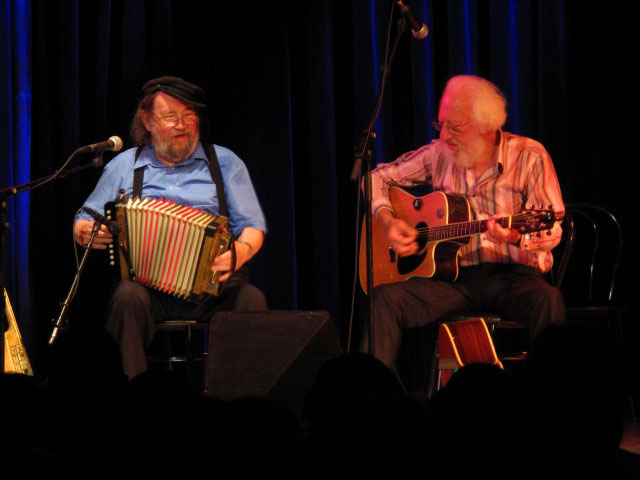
562,252
590,254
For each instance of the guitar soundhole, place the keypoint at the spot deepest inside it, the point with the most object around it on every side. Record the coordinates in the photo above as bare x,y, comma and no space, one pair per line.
409,264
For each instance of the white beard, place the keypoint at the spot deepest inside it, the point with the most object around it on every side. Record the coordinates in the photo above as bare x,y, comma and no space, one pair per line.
464,157
461,158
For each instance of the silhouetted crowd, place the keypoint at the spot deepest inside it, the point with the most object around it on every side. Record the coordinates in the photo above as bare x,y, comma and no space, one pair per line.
560,417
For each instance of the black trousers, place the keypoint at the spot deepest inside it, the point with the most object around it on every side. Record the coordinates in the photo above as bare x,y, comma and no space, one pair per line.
516,292
134,311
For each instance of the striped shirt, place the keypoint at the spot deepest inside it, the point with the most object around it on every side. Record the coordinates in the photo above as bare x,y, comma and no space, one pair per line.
523,175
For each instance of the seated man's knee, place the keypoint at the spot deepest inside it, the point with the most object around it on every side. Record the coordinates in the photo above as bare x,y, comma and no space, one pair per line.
128,293
383,294
249,298
554,300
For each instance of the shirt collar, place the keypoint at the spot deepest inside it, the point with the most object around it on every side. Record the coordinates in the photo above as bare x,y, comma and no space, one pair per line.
148,157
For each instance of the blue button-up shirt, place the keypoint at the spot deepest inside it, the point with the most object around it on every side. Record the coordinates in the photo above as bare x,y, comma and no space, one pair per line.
187,183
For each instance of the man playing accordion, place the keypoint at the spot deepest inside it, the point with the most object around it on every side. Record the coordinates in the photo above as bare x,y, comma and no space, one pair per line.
171,163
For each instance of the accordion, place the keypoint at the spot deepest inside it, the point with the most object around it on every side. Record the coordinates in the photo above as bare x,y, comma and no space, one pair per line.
167,246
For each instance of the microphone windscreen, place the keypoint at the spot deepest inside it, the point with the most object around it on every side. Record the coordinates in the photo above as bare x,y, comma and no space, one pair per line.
117,143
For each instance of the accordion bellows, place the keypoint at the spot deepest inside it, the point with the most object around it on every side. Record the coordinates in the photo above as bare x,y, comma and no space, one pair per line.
168,246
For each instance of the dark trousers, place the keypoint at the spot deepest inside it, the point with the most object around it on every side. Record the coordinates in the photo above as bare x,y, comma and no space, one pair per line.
515,292
134,311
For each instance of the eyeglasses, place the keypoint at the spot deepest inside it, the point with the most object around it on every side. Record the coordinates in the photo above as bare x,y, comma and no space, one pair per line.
453,129
171,120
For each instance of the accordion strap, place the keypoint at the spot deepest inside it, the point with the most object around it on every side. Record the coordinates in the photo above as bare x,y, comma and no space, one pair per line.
138,177
216,175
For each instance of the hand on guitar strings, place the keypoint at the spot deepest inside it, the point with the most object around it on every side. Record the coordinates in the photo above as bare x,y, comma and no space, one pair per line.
82,230
400,234
499,234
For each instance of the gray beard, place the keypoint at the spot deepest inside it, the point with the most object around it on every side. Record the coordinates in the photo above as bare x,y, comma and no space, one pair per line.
169,150
174,153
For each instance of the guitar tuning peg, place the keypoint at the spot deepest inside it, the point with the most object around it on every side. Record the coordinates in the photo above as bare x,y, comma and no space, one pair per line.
549,232
541,206
550,207
538,235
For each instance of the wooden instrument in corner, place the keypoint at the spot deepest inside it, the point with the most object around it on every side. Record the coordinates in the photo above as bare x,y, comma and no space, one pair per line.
15,355
462,343
444,226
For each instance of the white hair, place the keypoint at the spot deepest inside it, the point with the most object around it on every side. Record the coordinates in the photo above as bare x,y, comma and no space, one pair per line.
489,105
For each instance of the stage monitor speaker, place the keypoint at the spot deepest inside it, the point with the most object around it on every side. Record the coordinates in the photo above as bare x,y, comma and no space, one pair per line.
273,354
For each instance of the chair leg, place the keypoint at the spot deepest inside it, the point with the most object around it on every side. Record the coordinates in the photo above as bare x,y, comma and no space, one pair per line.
434,377
632,410
188,354
168,349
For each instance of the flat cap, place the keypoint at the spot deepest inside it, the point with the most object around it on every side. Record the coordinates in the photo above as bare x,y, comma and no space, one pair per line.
176,87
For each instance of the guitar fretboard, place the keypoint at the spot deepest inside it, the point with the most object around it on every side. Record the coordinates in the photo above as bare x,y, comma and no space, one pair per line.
458,230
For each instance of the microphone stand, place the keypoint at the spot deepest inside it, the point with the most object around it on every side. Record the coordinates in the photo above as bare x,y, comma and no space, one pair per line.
60,323
7,192
363,163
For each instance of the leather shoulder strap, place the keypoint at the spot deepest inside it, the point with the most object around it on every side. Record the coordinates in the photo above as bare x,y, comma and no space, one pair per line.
216,175
138,175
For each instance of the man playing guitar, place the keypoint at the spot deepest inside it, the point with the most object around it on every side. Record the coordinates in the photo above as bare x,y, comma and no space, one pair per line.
499,174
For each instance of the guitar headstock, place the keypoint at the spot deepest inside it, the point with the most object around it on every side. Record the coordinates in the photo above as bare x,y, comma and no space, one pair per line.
533,220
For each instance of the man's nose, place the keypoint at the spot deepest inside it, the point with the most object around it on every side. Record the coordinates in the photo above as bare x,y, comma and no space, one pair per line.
445,134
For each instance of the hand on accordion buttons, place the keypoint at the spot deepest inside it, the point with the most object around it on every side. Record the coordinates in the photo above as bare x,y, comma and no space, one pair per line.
222,263
82,230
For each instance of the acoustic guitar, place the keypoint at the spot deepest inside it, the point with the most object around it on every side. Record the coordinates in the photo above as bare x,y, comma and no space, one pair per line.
462,343
444,224
15,355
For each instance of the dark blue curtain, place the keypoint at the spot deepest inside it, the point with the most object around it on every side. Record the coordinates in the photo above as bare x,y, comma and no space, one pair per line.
15,150
291,86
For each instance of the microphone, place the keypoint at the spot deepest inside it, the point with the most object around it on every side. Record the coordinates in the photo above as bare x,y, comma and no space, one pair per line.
95,163
418,30
113,227
114,143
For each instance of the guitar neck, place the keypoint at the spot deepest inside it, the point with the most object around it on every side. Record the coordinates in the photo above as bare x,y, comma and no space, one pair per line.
460,229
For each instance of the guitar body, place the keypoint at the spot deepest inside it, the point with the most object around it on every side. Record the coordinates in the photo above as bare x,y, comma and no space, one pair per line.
462,343
436,259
